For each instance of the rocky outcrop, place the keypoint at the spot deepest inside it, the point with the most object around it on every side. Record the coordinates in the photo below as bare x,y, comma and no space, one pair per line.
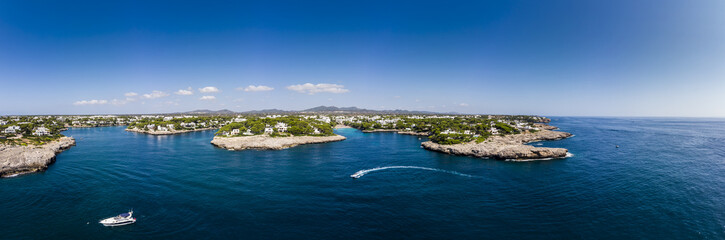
16,160
165,132
270,143
510,147
397,131
545,126
380,130
414,133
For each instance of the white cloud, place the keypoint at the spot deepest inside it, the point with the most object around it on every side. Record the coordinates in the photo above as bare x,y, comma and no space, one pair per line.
90,102
130,94
184,92
463,104
155,94
207,98
208,89
310,88
260,88
119,102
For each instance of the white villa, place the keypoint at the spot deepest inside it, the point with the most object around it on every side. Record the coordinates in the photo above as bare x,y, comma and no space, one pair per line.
281,127
268,130
12,129
448,131
41,131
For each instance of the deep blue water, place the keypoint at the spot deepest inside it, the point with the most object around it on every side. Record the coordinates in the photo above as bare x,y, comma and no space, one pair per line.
665,181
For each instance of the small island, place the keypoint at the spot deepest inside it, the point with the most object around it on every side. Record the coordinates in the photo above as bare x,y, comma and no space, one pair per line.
30,144
275,132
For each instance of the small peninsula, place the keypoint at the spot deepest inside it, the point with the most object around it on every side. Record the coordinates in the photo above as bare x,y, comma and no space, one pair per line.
275,132
266,142
19,159
507,147
484,136
30,143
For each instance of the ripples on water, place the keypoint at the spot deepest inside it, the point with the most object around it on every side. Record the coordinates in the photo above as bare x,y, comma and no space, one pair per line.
666,180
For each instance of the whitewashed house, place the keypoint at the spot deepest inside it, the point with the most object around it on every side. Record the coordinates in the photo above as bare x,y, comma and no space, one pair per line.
248,132
316,131
170,126
235,131
268,130
448,131
41,131
281,127
168,118
161,128
12,129
3,122
151,126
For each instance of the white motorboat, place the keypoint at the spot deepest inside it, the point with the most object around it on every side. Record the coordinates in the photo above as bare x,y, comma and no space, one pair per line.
120,220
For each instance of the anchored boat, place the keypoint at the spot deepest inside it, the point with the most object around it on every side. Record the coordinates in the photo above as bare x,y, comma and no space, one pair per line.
120,220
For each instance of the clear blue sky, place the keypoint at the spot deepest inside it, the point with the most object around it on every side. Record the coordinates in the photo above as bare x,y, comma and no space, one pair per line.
576,58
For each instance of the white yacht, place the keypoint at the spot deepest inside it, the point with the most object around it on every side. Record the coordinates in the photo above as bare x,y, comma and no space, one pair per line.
120,220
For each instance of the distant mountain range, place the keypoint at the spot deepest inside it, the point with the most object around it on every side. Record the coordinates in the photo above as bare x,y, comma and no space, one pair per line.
320,109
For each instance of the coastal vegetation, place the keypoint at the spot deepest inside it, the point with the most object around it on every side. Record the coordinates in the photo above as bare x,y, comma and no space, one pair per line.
278,126
447,129
176,123
29,130
30,143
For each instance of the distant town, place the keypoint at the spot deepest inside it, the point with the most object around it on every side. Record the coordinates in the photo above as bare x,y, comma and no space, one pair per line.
441,128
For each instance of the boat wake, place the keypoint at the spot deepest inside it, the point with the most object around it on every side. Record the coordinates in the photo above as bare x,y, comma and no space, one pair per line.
361,173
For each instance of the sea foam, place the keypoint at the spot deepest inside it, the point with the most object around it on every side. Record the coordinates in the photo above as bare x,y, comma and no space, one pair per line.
361,173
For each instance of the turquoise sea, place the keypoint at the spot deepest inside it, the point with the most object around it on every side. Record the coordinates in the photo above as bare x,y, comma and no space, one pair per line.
665,181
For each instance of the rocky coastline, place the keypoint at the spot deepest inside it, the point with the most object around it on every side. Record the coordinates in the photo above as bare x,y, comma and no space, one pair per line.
398,132
136,130
15,160
508,147
380,130
414,133
266,142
